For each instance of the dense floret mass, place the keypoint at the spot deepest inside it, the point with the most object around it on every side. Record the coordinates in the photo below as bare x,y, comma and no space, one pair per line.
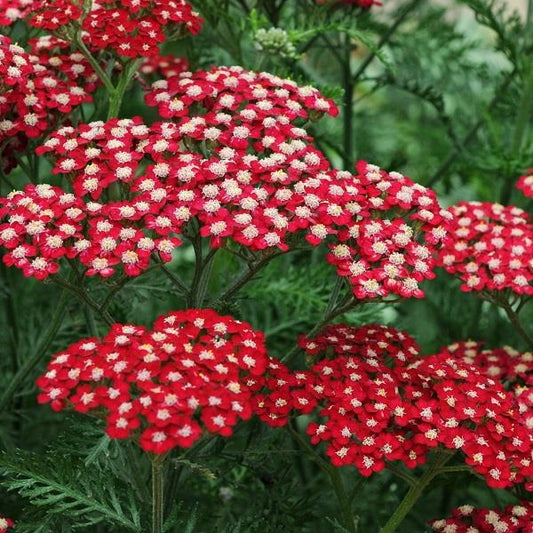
378,403
490,248
163,387
37,91
130,28
389,241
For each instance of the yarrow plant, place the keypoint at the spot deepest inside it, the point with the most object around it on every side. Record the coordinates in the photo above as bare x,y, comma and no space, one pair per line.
230,274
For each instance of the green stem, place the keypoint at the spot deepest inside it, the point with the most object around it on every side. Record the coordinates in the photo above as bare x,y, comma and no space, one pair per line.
348,86
344,500
116,96
84,297
203,283
44,343
106,80
335,479
248,272
522,122
414,493
91,323
385,39
182,288
158,502
515,320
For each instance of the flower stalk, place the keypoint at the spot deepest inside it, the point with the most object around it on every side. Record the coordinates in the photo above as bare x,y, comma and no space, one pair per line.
414,493
158,500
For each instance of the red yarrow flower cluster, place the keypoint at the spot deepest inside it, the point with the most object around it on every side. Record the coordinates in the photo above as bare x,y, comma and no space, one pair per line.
236,112
380,403
44,224
389,243
462,409
163,387
130,28
490,248
390,345
525,183
259,104
468,519
167,66
5,524
509,366
254,202
36,91
504,364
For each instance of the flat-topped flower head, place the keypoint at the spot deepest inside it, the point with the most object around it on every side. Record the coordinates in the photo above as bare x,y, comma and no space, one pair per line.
129,28
230,106
505,364
490,248
193,372
387,345
378,402
515,518
509,366
261,203
460,408
43,224
388,243
39,89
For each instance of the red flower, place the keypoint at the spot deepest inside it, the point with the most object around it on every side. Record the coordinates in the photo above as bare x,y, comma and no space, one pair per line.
525,183
193,371
490,248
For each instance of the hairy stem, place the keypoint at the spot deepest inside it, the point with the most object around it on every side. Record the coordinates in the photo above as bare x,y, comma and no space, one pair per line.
44,343
81,293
